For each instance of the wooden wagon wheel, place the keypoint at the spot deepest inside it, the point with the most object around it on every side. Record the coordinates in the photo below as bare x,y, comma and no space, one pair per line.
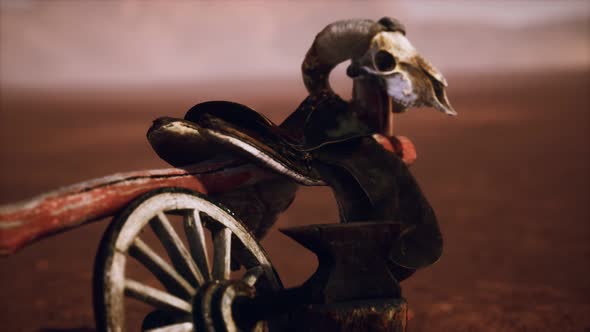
193,289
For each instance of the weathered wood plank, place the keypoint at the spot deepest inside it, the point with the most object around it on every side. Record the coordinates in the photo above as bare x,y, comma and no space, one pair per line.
52,212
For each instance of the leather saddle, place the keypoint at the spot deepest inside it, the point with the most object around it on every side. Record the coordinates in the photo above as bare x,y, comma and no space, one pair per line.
222,127
219,127
321,143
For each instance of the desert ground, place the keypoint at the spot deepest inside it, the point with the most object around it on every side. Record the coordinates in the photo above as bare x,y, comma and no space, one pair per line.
509,179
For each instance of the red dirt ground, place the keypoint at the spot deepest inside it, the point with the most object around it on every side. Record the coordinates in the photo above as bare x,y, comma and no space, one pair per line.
509,179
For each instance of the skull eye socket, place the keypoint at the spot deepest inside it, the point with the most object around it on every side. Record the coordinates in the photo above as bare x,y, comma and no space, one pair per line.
384,61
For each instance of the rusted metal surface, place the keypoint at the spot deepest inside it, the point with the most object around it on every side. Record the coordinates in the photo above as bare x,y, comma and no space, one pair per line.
24,222
353,260
355,287
375,316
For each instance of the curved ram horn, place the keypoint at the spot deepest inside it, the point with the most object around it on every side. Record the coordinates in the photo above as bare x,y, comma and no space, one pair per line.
336,43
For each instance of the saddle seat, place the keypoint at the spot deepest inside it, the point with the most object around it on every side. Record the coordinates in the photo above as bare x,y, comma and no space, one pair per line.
219,128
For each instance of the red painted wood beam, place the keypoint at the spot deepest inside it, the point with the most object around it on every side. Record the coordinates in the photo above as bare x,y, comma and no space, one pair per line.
72,206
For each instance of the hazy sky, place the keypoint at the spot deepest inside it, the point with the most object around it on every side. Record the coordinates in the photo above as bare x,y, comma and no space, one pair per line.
68,43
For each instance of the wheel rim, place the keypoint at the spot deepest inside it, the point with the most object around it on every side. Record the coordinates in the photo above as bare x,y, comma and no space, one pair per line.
188,267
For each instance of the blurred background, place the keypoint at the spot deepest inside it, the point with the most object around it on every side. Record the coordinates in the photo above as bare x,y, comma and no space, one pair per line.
80,83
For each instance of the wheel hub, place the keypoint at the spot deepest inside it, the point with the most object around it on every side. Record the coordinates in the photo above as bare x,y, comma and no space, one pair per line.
213,306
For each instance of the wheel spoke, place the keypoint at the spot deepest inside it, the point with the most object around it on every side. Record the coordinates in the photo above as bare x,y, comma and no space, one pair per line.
171,279
189,268
252,275
222,253
155,297
196,241
180,327
177,252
